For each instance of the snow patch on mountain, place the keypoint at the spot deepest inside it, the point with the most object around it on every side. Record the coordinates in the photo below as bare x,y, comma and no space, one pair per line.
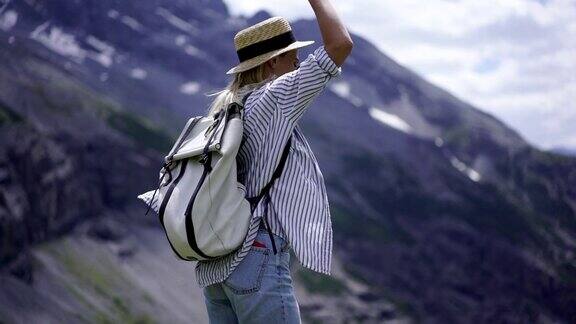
58,41
193,51
190,88
8,20
105,54
65,44
138,74
438,142
176,21
99,44
407,110
462,167
180,40
132,23
113,14
390,120
236,22
342,89
213,13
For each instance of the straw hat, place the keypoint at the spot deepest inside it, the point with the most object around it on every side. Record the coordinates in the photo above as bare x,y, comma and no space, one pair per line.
262,41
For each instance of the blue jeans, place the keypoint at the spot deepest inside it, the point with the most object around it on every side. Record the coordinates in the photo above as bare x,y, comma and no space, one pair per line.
259,290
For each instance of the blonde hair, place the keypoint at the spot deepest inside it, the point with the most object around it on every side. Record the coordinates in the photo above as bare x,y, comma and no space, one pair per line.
227,95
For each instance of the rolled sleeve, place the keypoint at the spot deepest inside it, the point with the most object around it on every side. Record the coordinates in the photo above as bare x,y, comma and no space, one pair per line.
295,90
326,63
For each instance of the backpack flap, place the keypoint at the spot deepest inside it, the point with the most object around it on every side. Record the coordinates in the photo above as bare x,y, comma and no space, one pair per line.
183,134
207,130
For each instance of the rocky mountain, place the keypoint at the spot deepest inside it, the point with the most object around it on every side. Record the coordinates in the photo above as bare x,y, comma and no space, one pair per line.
441,212
570,151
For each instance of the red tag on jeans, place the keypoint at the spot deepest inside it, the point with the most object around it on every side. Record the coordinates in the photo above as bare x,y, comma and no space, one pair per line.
259,244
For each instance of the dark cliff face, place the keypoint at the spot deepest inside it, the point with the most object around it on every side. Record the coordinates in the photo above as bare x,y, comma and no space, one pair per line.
68,155
439,207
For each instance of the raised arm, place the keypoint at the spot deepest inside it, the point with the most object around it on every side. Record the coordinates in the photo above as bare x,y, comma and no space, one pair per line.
295,90
337,41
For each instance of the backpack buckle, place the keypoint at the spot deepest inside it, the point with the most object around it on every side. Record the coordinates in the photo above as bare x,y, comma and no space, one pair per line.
206,161
215,123
203,158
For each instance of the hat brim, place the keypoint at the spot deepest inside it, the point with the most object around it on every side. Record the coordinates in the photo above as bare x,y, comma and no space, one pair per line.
255,61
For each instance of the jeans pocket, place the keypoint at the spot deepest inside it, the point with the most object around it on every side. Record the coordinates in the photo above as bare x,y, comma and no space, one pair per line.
247,276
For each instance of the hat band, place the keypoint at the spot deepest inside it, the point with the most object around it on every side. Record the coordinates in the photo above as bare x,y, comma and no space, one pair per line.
265,46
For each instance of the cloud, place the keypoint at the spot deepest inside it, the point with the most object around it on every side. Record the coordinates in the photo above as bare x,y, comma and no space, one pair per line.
513,58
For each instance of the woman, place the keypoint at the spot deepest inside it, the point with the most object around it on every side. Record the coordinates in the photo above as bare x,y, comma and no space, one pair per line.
253,284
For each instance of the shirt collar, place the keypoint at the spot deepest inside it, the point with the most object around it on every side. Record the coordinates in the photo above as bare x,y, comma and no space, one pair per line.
249,87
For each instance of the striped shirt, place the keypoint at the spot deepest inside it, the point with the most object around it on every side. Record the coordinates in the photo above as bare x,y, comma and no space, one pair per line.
298,210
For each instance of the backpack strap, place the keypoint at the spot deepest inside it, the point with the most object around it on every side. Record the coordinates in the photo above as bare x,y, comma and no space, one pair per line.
246,98
242,111
255,200
265,191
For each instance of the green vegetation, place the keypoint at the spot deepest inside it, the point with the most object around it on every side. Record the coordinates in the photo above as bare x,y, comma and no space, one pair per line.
85,272
137,129
310,320
457,137
105,280
403,307
490,209
68,97
530,199
148,298
567,273
354,273
125,314
380,184
8,116
321,284
547,178
381,232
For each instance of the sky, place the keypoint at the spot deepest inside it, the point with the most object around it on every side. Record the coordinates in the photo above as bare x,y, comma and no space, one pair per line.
515,59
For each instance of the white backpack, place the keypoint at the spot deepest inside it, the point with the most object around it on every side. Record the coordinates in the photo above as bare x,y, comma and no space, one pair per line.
200,203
